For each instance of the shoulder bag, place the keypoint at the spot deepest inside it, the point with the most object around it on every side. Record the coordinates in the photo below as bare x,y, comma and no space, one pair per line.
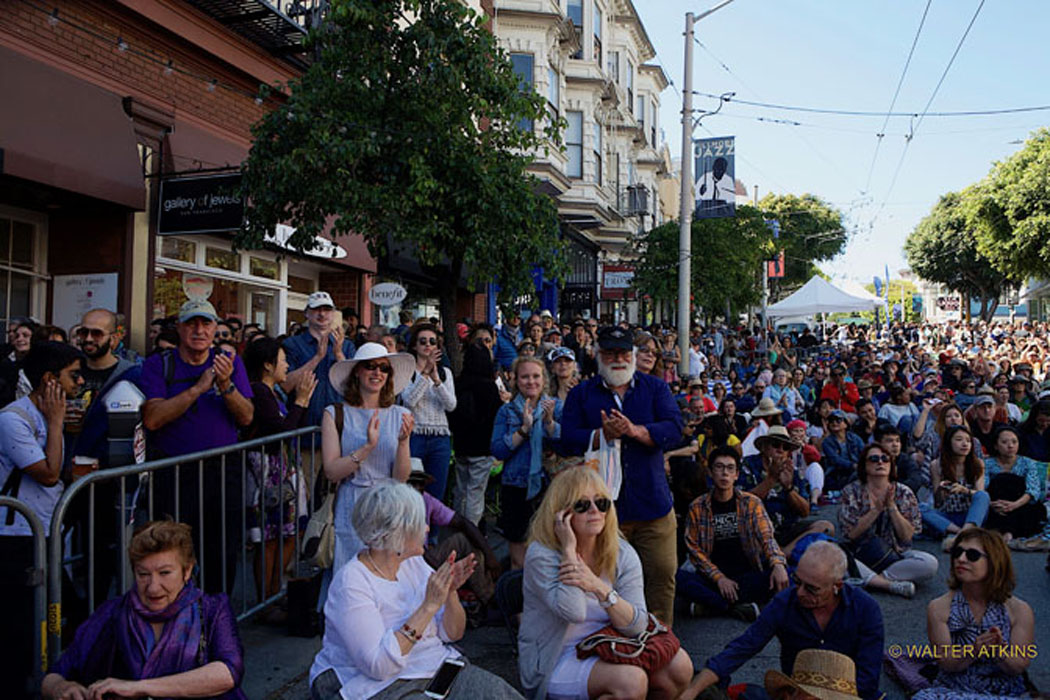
651,650
319,536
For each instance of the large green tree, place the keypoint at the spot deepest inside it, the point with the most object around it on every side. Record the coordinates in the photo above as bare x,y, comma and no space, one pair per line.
943,248
411,129
811,231
727,258
1011,210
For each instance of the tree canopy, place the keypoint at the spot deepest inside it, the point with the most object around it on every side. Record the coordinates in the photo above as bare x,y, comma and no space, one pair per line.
811,231
405,130
944,248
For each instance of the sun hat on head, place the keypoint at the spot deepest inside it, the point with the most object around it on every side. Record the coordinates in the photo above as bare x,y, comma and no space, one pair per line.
418,475
777,433
404,365
822,673
765,407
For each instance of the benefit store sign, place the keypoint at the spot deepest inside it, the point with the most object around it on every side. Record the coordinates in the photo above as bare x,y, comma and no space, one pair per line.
202,204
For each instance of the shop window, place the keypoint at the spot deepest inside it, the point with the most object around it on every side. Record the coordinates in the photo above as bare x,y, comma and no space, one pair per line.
18,244
22,245
301,285
260,267
221,259
178,249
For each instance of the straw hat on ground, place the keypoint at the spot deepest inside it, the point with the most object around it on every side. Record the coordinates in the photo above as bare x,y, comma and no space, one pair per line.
403,363
822,674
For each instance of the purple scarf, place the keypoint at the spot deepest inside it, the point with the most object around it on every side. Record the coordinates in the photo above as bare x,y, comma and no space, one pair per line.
177,648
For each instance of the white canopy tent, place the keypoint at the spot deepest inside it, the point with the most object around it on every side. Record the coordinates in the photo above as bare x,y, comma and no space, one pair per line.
818,296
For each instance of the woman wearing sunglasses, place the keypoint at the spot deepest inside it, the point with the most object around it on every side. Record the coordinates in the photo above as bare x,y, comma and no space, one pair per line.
879,518
580,576
980,614
429,395
373,442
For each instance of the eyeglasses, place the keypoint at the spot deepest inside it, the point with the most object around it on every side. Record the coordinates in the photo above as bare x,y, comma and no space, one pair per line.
427,341
95,333
584,504
223,334
383,367
719,467
807,587
971,553
875,459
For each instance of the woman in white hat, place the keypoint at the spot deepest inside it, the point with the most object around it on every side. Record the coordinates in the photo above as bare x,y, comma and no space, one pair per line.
373,442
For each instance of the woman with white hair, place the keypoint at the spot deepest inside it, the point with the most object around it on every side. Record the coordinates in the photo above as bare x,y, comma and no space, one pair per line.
390,619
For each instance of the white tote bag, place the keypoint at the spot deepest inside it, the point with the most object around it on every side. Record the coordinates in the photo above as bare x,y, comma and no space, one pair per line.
606,461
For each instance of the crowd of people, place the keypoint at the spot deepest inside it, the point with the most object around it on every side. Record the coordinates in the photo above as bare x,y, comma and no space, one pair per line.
779,480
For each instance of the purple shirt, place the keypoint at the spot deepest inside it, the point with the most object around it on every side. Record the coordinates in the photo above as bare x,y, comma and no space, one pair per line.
205,424
437,512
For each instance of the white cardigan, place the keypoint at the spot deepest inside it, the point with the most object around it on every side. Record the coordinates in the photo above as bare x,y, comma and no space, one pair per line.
429,402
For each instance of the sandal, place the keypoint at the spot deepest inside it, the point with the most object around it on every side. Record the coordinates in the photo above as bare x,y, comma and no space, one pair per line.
1030,544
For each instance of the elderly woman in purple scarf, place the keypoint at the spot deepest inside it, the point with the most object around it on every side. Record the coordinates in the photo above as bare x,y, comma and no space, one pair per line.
163,639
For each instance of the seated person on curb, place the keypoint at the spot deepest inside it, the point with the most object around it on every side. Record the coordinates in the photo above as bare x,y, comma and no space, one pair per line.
580,576
462,536
980,609
771,476
806,461
841,449
734,561
390,618
163,638
909,472
819,612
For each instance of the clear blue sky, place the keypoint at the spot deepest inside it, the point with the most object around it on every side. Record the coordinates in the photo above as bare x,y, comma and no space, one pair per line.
848,54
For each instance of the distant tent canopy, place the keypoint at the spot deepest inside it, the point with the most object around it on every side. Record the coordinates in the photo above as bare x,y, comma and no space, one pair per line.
818,296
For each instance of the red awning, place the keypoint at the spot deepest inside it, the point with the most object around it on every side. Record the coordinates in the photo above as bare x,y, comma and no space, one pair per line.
58,130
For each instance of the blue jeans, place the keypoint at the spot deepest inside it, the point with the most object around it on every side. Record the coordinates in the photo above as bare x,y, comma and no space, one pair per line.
435,451
753,587
938,521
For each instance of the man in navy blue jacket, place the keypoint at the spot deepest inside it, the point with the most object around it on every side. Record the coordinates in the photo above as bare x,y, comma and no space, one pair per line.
639,410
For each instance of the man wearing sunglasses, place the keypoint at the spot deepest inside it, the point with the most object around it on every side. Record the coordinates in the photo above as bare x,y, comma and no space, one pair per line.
819,611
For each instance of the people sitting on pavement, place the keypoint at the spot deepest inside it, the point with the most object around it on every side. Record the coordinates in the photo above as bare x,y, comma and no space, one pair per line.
980,609
390,618
771,476
807,461
638,410
372,444
1015,486
819,611
735,564
840,448
524,428
981,419
162,638
580,576
1035,440
959,497
880,516
840,390
819,674
864,426
909,473
928,435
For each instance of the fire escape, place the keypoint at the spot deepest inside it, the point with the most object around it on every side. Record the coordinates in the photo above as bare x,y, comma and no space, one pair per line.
278,26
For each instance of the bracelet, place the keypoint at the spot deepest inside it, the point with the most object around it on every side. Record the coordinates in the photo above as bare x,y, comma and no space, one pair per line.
228,390
355,458
522,433
410,633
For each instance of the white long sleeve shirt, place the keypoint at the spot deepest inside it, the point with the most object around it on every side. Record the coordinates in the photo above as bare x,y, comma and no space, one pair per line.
429,402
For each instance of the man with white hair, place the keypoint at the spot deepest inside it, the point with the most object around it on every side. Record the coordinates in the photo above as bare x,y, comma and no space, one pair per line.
819,611
639,411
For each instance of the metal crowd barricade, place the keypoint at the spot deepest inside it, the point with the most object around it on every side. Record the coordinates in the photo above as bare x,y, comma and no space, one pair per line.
141,504
37,578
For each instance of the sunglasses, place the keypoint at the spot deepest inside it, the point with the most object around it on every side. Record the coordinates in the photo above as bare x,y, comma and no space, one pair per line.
971,553
95,333
223,334
807,587
427,341
383,367
875,459
781,446
584,504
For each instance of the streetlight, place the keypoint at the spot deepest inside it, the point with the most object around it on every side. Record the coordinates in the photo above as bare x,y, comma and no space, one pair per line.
686,210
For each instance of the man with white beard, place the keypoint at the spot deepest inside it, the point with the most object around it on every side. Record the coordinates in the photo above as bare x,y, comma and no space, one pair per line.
640,410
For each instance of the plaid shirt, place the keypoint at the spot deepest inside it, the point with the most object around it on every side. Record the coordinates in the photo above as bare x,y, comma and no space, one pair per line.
756,535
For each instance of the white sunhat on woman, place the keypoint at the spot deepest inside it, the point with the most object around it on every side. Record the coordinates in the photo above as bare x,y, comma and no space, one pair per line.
402,363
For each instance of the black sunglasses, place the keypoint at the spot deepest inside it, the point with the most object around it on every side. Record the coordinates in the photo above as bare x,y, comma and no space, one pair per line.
584,504
971,553
427,341
381,366
95,333
875,459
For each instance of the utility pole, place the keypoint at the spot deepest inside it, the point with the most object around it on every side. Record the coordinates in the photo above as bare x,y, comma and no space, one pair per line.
686,207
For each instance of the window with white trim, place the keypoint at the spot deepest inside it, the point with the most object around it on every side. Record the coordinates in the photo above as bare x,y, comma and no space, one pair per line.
574,143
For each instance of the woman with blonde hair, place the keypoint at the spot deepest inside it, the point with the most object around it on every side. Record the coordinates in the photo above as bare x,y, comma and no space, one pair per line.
580,576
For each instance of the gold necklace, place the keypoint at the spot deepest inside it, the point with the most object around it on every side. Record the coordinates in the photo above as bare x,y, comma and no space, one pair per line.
368,553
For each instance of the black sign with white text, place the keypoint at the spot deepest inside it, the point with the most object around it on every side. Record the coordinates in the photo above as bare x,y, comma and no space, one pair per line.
205,204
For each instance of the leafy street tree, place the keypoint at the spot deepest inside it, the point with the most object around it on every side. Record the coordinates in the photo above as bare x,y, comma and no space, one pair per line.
1011,211
943,248
727,258
811,231
899,290
407,130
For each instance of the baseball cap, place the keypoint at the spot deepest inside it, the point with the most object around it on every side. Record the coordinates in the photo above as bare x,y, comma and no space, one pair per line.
614,338
197,307
983,399
560,352
837,413
319,299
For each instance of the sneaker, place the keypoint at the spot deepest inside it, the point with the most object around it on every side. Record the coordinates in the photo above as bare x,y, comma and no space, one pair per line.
905,589
698,610
748,612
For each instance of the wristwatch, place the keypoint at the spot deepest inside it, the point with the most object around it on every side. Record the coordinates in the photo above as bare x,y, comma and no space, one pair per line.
610,600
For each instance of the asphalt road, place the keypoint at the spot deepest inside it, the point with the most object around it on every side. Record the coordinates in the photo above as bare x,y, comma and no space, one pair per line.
277,664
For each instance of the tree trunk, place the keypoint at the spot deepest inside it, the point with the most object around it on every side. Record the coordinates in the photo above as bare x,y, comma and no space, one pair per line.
448,292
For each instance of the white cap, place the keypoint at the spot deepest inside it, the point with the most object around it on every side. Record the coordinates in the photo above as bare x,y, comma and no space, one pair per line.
319,299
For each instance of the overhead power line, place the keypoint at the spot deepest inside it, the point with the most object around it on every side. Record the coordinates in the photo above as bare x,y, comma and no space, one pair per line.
868,113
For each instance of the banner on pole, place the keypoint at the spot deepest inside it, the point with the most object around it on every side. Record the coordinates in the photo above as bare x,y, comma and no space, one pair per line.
715,168
775,267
